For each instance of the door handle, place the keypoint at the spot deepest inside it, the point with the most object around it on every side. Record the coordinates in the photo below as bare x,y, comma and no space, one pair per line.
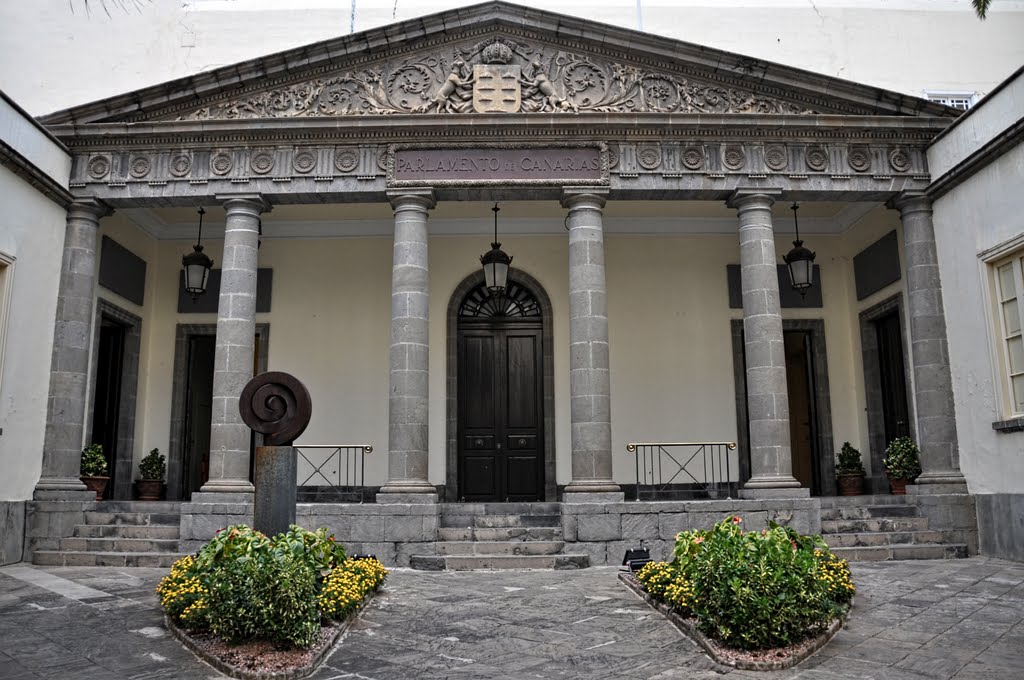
499,446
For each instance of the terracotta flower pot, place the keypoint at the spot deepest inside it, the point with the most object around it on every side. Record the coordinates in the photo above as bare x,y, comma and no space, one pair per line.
149,489
97,484
898,487
850,484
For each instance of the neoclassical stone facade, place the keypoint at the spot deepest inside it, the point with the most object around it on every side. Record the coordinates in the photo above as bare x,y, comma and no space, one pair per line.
512,105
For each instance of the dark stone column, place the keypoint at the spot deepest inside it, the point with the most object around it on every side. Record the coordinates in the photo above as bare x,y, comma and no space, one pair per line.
929,352
69,369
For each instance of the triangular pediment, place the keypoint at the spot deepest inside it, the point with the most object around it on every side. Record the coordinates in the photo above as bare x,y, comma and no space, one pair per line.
497,58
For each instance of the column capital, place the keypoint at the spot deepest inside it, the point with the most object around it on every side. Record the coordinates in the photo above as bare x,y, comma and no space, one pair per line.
91,209
746,199
253,204
584,198
417,198
910,202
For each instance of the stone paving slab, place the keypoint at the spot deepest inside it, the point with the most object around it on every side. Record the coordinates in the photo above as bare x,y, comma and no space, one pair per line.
915,620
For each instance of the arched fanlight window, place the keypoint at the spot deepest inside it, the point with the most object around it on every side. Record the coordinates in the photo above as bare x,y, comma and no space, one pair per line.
515,302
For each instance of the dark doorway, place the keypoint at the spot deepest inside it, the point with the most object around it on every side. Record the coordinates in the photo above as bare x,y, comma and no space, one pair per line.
198,413
107,397
500,397
799,383
895,414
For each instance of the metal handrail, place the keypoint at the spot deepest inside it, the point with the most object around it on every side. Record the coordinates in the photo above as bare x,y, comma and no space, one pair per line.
347,463
657,456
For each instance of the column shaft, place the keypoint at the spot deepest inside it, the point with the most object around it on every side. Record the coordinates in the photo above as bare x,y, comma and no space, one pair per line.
235,345
409,354
589,380
771,463
69,368
933,387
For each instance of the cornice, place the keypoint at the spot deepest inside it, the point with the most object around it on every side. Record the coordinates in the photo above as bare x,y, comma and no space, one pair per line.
27,170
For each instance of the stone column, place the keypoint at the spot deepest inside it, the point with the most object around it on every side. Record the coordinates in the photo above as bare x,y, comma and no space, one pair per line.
589,383
771,462
235,346
933,387
69,366
408,386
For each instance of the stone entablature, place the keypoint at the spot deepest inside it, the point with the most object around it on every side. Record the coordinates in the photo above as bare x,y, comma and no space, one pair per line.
709,165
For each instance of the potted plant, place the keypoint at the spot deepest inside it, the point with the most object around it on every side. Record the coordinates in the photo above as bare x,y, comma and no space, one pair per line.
151,472
902,463
849,471
93,471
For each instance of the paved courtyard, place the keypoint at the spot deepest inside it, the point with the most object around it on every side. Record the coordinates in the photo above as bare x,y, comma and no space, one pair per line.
912,620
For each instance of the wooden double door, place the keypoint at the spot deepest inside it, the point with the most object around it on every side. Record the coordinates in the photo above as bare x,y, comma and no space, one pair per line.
500,410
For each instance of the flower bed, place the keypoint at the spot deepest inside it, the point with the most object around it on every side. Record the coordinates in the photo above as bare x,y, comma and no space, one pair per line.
273,594
753,592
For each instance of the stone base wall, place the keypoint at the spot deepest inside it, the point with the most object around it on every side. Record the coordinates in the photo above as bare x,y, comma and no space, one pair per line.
12,531
605,530
391,531
48,521
953,514
1001,525
201,520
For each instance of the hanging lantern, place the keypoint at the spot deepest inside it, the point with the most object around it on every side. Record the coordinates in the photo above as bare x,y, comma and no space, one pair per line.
197,265
800,261
495,262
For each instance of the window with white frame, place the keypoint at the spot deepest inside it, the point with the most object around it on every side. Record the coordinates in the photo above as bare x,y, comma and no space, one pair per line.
958,100
1010,298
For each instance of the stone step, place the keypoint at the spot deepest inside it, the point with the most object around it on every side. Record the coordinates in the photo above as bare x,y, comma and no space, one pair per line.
160,507
500,521
120,545
136,518
58,558
867,499
501,509
499,547
902,552
846,526
472,562
151,531
877,538
499,534
869,511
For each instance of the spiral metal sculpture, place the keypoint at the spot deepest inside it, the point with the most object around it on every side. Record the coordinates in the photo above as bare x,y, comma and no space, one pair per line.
276,405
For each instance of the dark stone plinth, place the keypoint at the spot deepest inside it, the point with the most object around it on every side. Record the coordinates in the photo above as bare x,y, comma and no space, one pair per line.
275,494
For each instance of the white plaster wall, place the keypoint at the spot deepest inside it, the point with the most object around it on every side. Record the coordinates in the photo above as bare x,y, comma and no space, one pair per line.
979,214
32,232
905,45
671,354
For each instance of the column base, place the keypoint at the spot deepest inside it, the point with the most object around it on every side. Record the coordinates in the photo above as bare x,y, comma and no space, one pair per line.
384,498
941,477
48,484
592,486
83,496
228,486
918,489
407,491
593,496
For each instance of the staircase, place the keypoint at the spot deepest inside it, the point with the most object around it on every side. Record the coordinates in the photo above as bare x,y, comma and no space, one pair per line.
120,534
499,536
874,528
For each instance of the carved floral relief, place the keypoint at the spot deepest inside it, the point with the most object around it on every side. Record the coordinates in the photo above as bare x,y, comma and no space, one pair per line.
496,75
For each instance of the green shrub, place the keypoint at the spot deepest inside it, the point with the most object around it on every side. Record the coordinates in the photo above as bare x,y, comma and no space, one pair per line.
94,463
752,590
153,466
902,459
848,461
243,585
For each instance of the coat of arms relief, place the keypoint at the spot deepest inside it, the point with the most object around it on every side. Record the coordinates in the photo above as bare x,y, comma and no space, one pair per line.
497,76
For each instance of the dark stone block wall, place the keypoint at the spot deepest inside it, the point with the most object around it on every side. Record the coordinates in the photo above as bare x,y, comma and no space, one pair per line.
1001,525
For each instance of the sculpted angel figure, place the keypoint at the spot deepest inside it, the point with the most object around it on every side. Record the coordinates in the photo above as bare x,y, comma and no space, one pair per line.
455,94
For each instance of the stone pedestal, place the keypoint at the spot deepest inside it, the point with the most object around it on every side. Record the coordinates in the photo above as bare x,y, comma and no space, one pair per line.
275,497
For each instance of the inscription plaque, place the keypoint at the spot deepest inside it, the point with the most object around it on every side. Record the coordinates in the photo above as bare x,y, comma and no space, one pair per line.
477,165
